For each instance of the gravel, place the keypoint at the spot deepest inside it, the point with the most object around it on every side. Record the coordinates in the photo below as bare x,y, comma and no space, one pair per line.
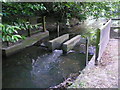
105,75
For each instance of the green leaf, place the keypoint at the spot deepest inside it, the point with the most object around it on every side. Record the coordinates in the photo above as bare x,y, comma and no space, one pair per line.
8,38
23,37
15,31
18,36
3,38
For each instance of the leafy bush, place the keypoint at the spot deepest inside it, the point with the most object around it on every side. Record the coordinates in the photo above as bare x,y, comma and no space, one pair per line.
27,25
19,12
10,33
60,10
91,34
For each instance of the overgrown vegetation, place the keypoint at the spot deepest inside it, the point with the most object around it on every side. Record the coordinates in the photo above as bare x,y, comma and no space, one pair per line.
16,14
9,33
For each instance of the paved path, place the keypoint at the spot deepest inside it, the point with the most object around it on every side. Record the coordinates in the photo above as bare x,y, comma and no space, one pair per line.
105,75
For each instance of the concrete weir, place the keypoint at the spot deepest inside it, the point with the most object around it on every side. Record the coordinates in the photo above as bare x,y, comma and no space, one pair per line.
68,45
57,42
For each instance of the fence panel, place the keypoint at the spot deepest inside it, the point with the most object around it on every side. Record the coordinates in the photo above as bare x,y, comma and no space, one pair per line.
104,38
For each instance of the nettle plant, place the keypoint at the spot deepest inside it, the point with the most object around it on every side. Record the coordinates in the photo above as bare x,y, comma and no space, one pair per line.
10,33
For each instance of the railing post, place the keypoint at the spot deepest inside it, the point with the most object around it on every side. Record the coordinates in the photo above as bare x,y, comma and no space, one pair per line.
7,43
29,32
28,29
97,46
43,21
87,46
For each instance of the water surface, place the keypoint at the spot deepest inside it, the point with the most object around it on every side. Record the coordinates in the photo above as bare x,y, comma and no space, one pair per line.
35,67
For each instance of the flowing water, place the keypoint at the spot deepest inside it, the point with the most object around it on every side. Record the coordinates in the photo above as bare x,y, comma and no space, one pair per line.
35,67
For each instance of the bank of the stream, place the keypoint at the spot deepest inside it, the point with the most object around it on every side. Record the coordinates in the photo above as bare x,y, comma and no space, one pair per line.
105,75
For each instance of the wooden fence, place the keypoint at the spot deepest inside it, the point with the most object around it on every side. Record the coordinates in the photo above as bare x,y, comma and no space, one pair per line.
41,27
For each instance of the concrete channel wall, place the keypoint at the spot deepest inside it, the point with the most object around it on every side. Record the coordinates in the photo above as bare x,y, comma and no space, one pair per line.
57,42
71,43
25,43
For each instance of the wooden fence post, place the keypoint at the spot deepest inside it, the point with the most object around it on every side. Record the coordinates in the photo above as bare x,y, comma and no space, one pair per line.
87,46
43,21
29,32
97,47
7,43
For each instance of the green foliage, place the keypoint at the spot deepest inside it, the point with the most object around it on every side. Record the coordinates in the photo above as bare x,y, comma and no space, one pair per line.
10,33
13,11
91,34
15,15
82,10
27,25
60,10
115,9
